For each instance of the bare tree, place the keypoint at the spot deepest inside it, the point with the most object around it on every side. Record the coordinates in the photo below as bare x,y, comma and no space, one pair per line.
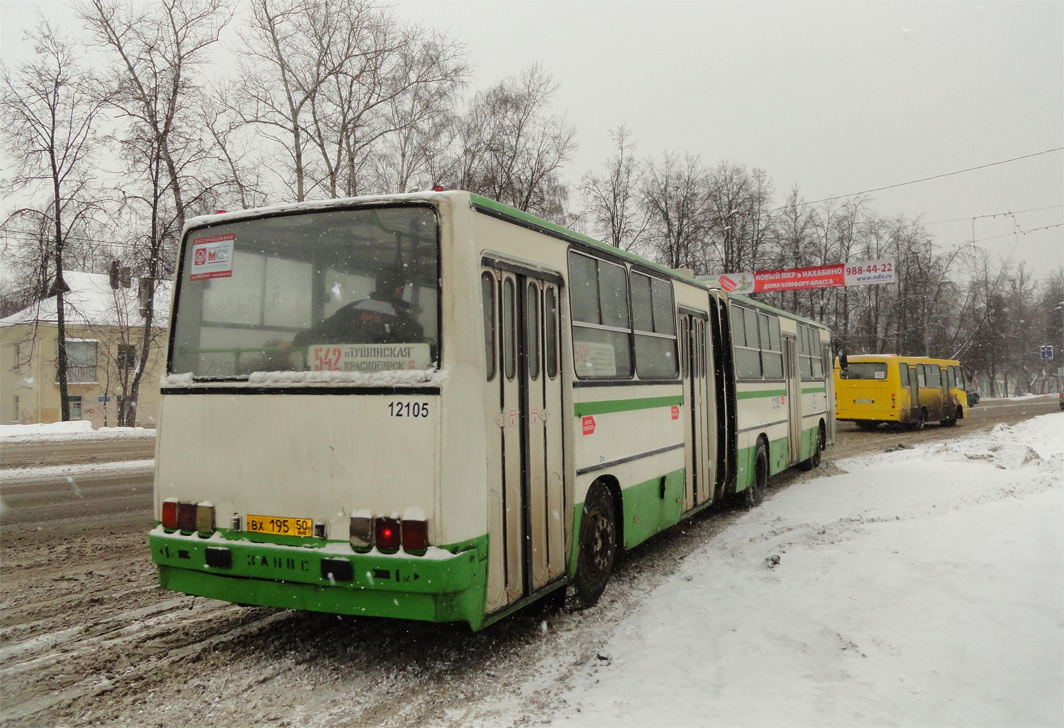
156,51
347,96
677,207
510,149
612,201
47,108
739,222
421,118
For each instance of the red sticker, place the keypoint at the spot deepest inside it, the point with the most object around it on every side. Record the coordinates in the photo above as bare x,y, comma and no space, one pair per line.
589,425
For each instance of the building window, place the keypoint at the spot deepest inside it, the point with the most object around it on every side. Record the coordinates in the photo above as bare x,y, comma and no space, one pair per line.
127,356
15,419
81,361
75,406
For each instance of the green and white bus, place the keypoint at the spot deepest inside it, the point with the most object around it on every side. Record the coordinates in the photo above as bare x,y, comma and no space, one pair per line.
433,406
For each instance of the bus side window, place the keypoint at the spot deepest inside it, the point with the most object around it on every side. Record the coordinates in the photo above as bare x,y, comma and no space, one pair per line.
550,324
532,330
934,378
487,289
921,376
602,331
745,343
509,344
771,353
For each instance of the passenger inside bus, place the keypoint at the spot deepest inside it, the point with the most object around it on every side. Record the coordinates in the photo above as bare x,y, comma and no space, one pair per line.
383,318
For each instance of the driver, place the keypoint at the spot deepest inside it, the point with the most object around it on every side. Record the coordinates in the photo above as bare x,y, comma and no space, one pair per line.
383,318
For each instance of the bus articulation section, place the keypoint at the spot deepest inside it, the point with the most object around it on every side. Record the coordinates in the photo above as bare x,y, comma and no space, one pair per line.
436,407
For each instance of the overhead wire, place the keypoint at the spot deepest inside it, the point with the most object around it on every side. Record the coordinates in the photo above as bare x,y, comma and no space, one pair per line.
927,179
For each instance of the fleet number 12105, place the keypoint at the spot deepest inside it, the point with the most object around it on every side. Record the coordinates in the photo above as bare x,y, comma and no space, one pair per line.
408,409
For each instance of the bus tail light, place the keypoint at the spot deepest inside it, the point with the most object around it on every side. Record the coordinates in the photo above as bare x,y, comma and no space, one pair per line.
386,534
205,518
186,516
893,404
361,534
170,514
415,535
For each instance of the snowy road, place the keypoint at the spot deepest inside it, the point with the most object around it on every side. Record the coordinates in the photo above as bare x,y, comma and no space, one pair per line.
86,638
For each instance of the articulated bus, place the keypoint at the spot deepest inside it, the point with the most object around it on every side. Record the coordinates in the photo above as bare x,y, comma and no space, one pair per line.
903,391
436,407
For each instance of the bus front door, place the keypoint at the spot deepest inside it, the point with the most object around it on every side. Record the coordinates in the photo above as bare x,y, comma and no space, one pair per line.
914,394
527,512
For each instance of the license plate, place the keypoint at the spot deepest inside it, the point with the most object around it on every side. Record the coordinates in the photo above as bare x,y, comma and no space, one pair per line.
281,526
864,401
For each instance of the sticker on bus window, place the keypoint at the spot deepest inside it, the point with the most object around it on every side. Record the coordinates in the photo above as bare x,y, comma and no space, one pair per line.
594,359
881,375
368,358
212,257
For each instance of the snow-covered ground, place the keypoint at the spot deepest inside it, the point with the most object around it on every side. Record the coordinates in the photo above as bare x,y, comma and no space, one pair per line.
922,587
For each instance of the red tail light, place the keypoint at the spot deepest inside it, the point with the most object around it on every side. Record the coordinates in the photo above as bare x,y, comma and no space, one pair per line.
386,534
169,514
415,536
186,516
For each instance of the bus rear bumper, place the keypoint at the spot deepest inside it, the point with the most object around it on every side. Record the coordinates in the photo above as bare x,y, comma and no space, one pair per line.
437,587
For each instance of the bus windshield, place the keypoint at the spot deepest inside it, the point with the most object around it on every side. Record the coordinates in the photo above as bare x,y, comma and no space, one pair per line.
351,290
865,370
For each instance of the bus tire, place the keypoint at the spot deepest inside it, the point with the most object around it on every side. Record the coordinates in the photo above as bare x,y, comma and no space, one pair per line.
918,423
597,546
755,493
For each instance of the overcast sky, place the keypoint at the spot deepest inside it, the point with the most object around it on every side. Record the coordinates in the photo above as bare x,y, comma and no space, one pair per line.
834,97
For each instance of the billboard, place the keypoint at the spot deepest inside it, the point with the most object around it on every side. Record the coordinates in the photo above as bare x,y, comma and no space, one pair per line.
862,273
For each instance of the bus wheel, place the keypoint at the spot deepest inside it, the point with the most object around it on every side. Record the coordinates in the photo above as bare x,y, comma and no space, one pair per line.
918,423
813,461
598,545
755,494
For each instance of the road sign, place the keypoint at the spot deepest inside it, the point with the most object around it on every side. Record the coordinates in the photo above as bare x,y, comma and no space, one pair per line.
103,399
1047,353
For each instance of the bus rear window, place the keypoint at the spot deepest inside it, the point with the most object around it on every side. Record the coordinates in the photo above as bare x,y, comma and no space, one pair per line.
865,370
351,290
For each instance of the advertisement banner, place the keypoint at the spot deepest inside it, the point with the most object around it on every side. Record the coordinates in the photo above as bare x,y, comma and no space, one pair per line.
862,273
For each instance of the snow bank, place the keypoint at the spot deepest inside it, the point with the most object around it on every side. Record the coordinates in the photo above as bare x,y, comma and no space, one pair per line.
73,430
922,587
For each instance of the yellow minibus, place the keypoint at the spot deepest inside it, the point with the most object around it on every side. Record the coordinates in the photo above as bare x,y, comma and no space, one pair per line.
905,391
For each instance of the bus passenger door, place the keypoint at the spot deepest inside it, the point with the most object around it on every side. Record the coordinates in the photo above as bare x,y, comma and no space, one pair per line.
696,408
914,394
527,516
793,376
